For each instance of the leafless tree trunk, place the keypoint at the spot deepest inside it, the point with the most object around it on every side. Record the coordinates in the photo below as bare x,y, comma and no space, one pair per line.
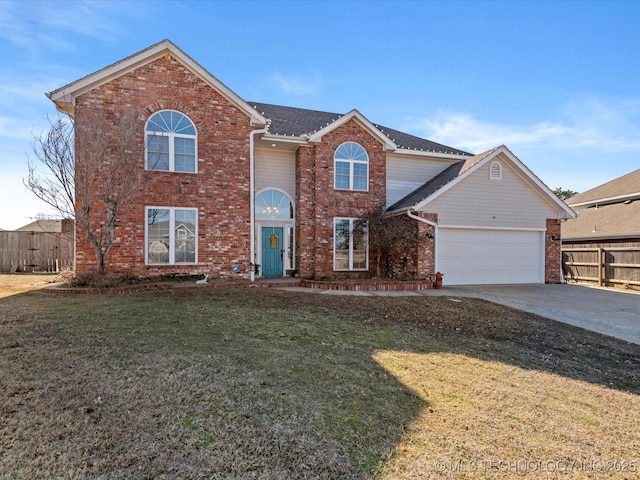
390,236
95,182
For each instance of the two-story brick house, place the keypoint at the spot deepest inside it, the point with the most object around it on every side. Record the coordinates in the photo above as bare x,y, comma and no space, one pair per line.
233,183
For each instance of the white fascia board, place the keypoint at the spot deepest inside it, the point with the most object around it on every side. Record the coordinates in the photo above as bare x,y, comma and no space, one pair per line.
546,192
64,97
428,153
271,137
614,199
354,114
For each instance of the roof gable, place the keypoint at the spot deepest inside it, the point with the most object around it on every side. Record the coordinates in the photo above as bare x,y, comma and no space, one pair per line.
438,182
457,172
64,97
358,117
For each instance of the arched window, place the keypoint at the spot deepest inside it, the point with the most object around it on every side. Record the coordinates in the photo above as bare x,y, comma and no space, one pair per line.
171,142
351,167
495,171
273,205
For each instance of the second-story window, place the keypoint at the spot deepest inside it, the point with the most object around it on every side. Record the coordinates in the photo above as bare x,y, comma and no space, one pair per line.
171,142
351,167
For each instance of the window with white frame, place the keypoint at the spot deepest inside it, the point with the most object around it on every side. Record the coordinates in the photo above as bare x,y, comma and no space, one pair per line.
171,235
171,142
351,167
350,244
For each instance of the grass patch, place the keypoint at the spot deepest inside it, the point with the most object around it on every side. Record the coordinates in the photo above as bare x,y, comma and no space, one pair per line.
261,383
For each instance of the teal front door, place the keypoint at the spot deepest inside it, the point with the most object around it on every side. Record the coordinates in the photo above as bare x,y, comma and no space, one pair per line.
272,251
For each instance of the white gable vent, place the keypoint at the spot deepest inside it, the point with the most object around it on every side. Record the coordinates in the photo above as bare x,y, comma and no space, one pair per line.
495,171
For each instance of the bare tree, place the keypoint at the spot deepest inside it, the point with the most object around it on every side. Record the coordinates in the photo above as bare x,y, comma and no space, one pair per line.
390,237
96,183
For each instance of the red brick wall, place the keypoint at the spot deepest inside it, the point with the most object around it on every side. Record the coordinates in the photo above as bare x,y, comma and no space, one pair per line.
552,252
305,212
426,245
220,189
318,203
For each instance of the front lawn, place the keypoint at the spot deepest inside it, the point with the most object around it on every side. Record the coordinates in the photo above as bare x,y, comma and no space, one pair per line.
261,383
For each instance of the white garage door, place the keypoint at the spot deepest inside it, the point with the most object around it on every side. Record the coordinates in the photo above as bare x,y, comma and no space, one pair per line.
474,257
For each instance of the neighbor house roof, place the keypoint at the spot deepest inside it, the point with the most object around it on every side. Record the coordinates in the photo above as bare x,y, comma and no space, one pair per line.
619,189
608,211
51,226
301,122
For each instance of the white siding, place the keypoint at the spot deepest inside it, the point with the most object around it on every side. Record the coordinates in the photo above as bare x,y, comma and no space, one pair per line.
406,174
276,169
507,203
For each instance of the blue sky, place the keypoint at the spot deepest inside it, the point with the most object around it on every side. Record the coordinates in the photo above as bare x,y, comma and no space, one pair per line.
557,82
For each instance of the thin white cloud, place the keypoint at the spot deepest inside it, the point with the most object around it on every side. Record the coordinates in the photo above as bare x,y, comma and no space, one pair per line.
298,85
464,131
605,127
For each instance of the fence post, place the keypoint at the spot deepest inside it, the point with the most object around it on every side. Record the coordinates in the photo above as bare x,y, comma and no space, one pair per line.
600,266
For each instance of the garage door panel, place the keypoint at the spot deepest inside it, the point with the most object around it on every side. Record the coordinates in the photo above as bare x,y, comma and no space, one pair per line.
469,257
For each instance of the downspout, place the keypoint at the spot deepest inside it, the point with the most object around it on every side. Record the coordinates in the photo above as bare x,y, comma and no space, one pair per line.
435,233
252,200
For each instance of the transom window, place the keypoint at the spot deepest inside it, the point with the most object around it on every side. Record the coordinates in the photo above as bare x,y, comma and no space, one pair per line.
171,235
350,244
171,142
351,167
273,205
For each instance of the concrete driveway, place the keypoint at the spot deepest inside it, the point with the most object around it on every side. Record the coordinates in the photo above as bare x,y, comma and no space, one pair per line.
610,312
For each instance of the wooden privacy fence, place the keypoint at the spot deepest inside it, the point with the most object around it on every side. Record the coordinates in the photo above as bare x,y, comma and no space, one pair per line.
35,251
602,265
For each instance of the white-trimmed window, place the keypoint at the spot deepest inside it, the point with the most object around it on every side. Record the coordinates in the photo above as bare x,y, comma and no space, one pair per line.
171,142
171,235
350,244
351,167
495,171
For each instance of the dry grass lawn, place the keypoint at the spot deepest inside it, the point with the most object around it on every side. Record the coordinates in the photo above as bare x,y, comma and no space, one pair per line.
21,283
254,383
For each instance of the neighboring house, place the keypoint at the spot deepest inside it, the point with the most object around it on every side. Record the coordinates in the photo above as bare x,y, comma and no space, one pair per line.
608,214
239,183
50,226
603,243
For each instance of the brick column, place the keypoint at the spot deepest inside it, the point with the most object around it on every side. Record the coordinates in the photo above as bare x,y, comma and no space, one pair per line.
426,255
305,212
552,252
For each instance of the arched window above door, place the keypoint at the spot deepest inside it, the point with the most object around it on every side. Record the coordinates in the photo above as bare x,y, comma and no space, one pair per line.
273,205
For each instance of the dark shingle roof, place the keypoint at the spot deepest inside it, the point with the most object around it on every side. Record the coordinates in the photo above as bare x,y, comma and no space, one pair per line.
625,185
295,122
